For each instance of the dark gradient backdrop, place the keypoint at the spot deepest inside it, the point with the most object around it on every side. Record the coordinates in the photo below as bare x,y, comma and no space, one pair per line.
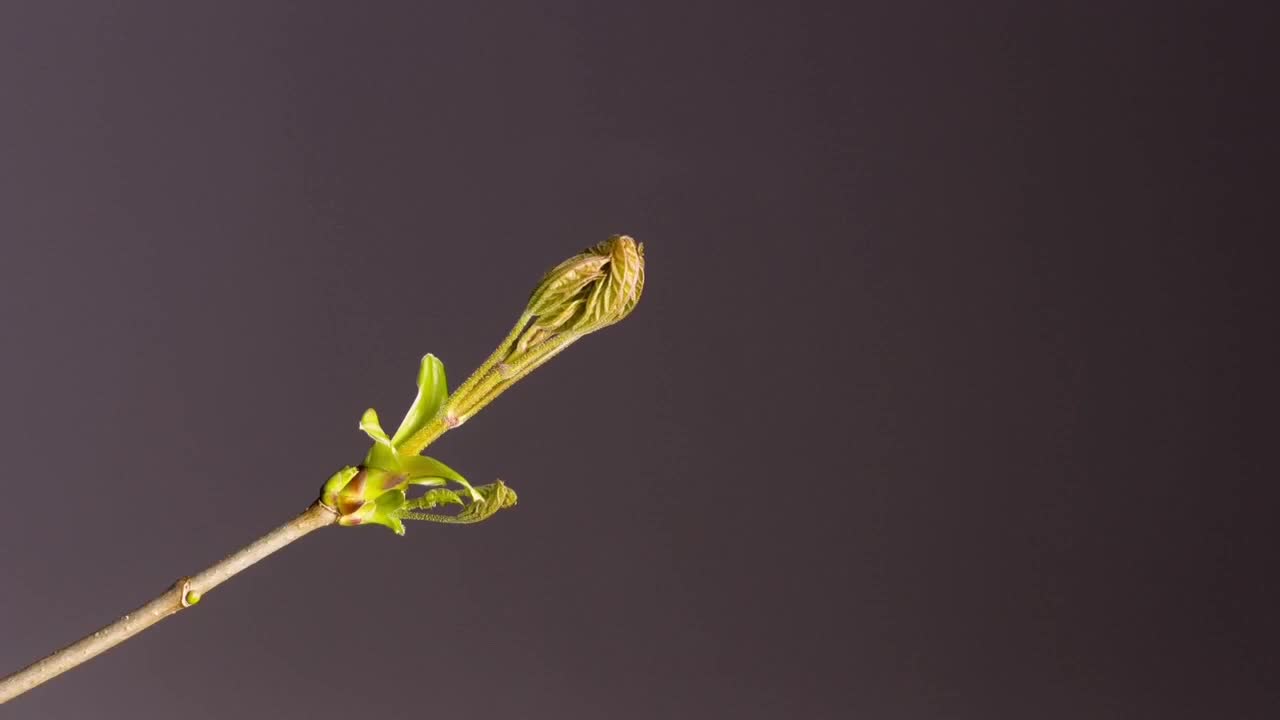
933,407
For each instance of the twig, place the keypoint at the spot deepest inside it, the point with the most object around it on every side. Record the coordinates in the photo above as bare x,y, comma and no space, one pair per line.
184,593
591,290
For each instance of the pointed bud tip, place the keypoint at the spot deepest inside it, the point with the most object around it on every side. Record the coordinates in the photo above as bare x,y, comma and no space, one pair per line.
591,290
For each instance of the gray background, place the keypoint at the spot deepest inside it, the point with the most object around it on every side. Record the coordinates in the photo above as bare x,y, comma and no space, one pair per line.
934,406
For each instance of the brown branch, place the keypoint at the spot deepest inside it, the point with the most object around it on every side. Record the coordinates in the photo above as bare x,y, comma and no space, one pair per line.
184,593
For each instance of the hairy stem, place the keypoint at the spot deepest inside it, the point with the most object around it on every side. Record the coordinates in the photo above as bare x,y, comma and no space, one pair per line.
506,374
184,593
447,417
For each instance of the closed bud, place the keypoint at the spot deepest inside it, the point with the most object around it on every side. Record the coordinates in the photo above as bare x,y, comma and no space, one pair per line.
366,495
589,291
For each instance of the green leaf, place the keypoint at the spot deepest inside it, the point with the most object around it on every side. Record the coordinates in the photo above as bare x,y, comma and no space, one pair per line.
384,511
383,453
421,467
432,391
389,501
429,482
432,498
493,498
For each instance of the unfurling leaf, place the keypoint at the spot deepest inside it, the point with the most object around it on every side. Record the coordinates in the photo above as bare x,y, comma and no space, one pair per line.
383,453
591,290
432,498
432,391
374,493
496,497
424,470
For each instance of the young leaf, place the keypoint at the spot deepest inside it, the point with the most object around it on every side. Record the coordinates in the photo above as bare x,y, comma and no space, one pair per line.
494,498
432,498
432,391
429,482
383,453
421,467
385,508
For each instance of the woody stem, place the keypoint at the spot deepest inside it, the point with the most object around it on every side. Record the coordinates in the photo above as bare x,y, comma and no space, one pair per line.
183,594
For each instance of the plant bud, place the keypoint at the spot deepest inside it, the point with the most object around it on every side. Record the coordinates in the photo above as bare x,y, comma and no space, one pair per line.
591,290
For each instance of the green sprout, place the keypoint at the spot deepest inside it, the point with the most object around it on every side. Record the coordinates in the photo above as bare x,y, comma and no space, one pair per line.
591,290
374,492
